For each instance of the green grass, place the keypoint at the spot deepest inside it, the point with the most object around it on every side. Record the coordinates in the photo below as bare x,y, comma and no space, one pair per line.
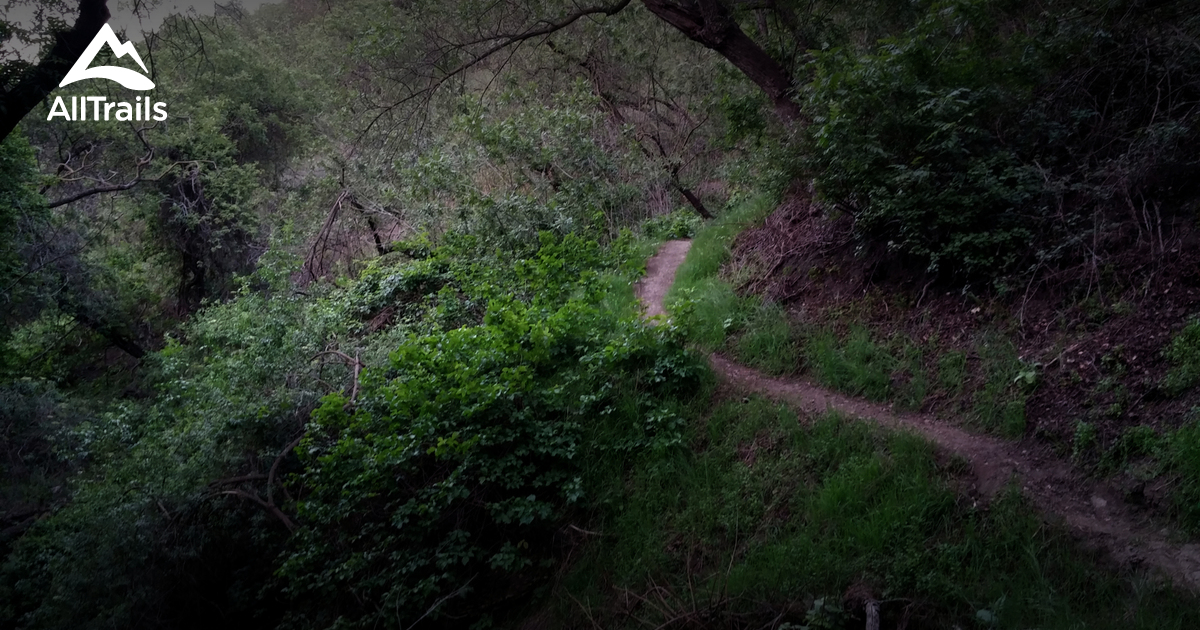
1184,355
767,514
860,363
707,306
987,383
1143,453
769,342
952,372
708,310
1183,458
856,365
911,382
999,404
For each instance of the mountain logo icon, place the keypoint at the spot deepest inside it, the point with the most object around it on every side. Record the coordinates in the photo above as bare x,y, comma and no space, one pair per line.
124,76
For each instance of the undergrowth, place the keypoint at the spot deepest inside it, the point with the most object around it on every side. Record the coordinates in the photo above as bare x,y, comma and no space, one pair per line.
770,519
708,307
1183,456
1184,355
841,354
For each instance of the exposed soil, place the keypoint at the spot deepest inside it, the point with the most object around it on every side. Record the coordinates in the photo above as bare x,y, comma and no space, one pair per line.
660,275
1095,333
1092,510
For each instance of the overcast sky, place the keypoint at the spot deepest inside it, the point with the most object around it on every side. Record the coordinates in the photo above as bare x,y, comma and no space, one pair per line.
123,16
148,17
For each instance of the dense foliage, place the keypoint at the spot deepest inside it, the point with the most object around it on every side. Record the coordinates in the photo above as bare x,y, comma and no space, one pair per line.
441,486
349,340
991,138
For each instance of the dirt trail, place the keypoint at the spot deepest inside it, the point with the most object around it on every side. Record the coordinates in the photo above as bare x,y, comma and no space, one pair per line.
1091,509
660,275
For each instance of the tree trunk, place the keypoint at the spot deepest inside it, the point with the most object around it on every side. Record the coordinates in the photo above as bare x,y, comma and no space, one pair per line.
709,23
37,82
379,248
694,200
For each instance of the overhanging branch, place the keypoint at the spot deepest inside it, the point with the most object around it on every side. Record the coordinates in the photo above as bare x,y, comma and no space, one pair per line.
499,43
137,179
37,82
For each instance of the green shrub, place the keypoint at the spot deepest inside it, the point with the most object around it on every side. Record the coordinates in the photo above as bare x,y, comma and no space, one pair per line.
901,138
954,145
674,225
21,207
547,396
1184,355
450,472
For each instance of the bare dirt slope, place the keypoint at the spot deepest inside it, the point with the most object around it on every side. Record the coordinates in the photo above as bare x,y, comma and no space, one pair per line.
1092,510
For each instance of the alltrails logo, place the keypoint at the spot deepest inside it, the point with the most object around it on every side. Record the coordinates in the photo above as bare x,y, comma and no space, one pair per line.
138,110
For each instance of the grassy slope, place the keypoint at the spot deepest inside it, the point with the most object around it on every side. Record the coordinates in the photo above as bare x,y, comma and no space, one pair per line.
769,513
989,393
770,519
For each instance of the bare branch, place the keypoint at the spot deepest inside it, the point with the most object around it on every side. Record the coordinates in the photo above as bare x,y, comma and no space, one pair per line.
236,480
500,43
137,179
275,466
271,509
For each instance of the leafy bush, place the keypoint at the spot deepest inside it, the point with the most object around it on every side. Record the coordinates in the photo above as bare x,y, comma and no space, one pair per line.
446,478
20,205
144,535
478,434
902,141
983,140
542,163
675,225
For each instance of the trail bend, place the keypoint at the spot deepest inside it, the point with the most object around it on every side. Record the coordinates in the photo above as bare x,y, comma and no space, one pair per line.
1091,509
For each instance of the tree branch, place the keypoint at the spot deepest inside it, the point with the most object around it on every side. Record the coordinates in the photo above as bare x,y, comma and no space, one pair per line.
502,42
137,179
274,511
37,82
275,466
709,23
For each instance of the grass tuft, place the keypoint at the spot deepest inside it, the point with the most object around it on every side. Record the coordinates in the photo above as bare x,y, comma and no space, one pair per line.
769,342
705,305
772,518
1184,355
1183,457
858,366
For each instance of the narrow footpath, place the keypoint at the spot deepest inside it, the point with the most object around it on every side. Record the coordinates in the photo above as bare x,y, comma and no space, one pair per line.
1092,510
